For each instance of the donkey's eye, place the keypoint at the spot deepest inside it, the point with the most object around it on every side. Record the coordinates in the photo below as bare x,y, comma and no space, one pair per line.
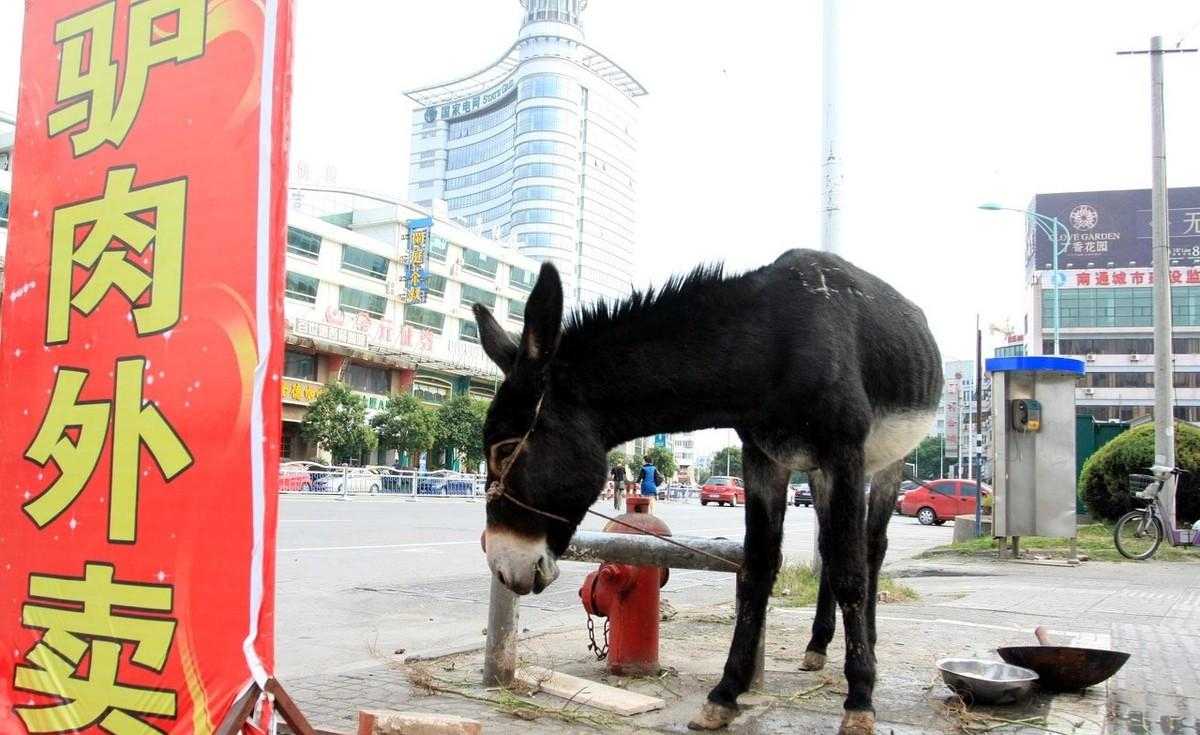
499,454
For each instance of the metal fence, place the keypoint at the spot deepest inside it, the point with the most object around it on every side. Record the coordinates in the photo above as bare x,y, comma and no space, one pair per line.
318,479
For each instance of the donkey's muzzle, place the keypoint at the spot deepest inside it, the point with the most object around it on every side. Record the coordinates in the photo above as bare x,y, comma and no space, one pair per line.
521,564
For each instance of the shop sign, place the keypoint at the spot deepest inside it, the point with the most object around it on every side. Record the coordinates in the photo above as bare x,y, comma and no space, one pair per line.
416,266
466,106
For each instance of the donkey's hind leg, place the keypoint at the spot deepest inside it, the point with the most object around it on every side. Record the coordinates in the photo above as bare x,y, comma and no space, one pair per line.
884,487
766,503
825,621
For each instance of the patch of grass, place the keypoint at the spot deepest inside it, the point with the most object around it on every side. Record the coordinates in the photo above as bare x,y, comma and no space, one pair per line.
797,586
1095,540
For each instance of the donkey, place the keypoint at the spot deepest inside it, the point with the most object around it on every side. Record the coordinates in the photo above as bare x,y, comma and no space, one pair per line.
818,366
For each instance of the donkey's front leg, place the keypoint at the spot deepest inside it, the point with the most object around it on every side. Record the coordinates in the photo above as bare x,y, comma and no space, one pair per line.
766,502
842,516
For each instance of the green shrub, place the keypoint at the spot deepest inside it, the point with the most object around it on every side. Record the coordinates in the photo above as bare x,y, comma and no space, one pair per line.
1104,479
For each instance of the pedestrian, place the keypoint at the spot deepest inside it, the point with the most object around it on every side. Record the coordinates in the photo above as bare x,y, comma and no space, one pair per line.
650,478
618,480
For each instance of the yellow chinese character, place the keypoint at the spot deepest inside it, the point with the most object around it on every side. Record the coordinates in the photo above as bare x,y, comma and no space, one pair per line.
311,393
417,238
414,295
87,90
297,392
415,280
417,258
82,622
135,422
119,216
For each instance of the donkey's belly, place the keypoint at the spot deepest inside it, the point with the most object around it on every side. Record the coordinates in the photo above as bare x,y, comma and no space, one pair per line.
894,435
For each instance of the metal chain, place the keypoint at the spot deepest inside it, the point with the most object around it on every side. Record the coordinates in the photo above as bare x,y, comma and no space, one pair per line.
601,653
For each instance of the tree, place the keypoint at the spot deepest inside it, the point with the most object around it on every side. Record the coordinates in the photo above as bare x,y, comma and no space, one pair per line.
1104,479
928,458
664,460
337,422
407,425
460,426
617,458
734,457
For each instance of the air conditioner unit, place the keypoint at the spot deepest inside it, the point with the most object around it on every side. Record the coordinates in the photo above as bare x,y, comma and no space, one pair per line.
1089,391
1134,358
1091,357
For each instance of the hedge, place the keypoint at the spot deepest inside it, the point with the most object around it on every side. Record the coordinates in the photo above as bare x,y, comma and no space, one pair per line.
1104,479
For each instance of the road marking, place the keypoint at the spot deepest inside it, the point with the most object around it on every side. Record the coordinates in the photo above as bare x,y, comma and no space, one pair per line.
380,546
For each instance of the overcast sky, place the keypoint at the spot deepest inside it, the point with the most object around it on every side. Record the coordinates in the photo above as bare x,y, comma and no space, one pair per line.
946,104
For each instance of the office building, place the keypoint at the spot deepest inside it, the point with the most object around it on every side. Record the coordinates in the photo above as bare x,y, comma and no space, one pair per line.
538,148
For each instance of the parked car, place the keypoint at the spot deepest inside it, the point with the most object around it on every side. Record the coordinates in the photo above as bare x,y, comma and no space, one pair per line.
445,482
356,479
938,501
905,486
723,491
802,495
294,480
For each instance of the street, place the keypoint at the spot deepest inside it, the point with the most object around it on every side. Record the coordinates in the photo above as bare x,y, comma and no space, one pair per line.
361,579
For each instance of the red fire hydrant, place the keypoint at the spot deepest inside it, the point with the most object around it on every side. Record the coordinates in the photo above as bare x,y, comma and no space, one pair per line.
628,596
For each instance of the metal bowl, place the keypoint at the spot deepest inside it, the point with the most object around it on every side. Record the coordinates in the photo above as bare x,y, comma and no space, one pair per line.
979,681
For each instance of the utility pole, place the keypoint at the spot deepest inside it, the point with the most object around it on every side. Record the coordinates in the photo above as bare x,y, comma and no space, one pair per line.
1164,361
831,171
977,437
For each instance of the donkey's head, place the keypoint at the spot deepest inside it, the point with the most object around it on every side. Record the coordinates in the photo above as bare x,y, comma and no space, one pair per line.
545,454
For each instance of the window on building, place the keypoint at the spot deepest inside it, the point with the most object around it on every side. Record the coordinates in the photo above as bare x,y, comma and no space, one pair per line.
481,121
4,198
544,193
548,85
424,318
469,155
1187,380
481,394
554,119
301,365
436,284
351,299
468,331
1185,345
303,243
547,148
492,172
480,197
477,262
544,216
550,170
368,379
431,390
521,278
546,239
301,287
516,310
364,263
438,246
1101,346
472,295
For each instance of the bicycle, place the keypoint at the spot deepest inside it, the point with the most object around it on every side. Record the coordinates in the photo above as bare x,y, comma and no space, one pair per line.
1139,532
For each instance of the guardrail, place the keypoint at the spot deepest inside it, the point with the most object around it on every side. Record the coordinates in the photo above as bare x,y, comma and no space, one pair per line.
504,607
318,479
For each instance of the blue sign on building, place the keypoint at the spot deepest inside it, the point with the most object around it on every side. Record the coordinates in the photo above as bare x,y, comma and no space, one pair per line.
660,440
1111,229
416,266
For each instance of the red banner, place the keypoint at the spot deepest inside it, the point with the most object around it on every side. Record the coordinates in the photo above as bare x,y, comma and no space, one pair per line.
140,356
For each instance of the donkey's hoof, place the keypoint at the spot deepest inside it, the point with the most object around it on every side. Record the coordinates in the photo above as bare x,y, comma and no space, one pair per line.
813,661
713,716
857,722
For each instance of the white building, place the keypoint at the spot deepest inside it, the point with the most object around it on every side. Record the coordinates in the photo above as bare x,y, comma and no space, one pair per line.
347,320
539,147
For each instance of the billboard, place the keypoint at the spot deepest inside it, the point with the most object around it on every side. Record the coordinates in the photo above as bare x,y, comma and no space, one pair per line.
139,375
1111,229
416,262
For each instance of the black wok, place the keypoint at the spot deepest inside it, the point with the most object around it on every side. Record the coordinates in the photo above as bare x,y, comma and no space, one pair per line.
1064,668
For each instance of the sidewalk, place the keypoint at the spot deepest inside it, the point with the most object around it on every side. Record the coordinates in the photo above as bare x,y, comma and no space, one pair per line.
966,609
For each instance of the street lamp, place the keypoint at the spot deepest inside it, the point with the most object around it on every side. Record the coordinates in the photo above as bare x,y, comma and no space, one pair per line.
1050,226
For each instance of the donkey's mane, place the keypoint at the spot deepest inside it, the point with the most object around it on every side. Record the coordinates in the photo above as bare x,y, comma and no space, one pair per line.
680,291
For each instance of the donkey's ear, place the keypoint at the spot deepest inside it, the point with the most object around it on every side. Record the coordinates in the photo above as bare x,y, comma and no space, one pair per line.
543,317
496,342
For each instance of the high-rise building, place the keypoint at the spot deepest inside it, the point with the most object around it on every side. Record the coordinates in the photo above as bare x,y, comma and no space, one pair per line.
538,148
1103,286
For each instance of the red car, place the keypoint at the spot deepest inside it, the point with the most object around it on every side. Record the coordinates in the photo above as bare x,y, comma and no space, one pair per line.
937,501
723,491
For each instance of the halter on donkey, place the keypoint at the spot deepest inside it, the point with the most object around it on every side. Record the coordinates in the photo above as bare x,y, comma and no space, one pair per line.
818,365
